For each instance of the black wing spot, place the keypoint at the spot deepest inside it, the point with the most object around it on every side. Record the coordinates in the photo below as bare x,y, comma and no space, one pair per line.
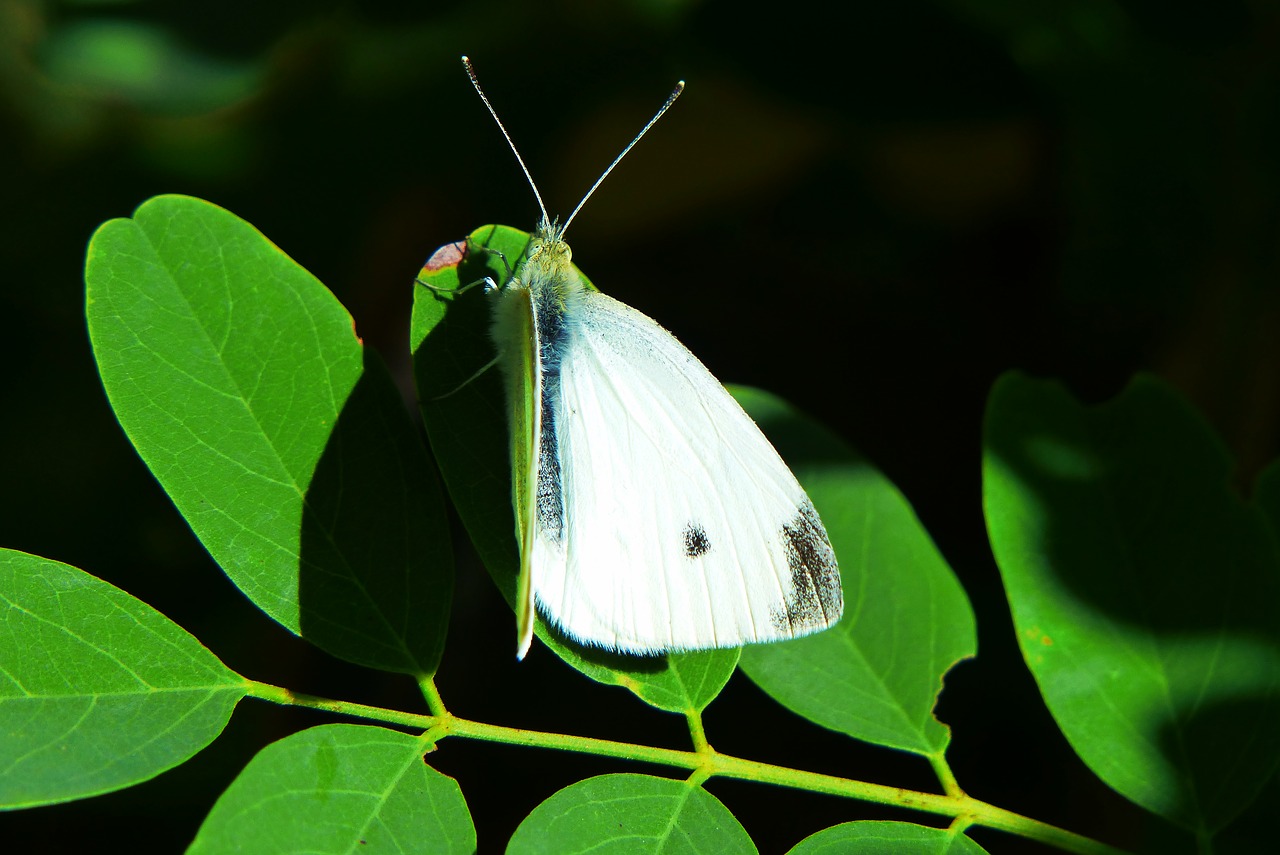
816,599
695,541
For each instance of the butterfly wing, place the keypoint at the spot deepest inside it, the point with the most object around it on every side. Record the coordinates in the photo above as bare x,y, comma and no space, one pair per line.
517,335
681,527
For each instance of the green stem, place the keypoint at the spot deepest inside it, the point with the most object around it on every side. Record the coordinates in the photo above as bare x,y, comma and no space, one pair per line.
697,733
945,776
277,695
726,766
705,764
435,703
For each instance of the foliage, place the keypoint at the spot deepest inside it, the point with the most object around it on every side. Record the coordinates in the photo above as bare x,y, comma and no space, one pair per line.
1143,590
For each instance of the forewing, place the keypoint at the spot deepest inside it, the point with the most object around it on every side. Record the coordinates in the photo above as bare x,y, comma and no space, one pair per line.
683,527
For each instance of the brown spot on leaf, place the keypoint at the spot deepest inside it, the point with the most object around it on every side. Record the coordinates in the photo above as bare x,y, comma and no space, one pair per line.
449,255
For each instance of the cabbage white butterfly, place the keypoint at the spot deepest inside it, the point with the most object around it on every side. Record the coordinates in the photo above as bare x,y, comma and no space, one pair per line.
652,514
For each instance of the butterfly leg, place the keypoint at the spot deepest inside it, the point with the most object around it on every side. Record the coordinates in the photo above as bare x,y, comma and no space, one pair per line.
506,264
453,260
467,382
487,282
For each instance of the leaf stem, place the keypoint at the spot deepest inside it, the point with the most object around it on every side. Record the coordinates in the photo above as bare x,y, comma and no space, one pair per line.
697,732
946,777
435,703
704,763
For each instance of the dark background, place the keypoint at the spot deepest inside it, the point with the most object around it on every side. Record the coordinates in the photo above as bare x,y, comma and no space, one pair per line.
872,210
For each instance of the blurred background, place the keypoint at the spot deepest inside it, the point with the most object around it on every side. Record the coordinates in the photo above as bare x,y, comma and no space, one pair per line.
872,210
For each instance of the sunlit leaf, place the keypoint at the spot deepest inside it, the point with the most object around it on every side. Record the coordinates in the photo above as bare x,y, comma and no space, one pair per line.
885,838
630,815
876,674
98,691
340,788
240,381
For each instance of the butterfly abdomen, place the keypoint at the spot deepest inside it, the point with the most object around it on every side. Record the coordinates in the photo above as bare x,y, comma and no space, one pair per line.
532,324
549,321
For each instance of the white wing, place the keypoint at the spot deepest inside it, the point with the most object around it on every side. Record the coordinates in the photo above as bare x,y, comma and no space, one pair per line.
682,527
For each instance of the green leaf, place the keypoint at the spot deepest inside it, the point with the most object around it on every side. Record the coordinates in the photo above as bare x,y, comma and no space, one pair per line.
1146,595
240,381
98,691
877,673
340,788
885,838
688,683
466,421
630,814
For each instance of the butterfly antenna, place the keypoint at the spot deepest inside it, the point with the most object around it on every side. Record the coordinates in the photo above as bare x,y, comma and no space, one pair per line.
475,81
671,99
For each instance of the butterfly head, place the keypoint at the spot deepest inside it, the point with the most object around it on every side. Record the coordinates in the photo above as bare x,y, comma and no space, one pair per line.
547,248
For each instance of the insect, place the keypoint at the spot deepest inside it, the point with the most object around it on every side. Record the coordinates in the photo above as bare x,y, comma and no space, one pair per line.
651,513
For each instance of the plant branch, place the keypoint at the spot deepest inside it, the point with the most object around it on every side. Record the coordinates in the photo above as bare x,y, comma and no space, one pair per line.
707,763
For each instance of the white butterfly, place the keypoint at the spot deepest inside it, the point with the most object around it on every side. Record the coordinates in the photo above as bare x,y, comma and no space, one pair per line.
651,512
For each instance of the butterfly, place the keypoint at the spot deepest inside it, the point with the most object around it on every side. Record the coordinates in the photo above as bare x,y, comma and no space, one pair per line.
652,514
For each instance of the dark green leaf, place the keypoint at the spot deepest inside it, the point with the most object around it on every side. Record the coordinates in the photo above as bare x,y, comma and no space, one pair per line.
340,788
465,418
1145,593
630,815
876,674
98,691
241,382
